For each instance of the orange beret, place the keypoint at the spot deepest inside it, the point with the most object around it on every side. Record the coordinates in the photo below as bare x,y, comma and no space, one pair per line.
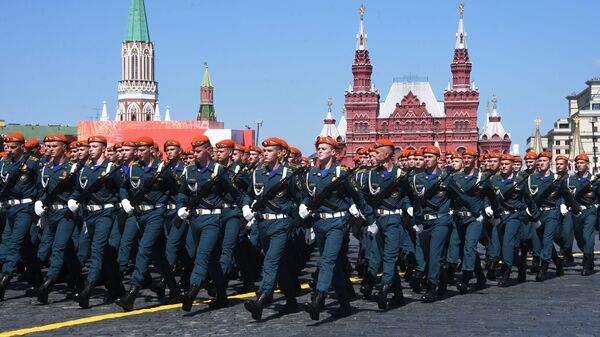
431,149
116,146
274,141
15,137
508,156
455,154
546,154
296,150
239,147
98,139
326,140
356,158
172,142
495,155
145,141
363,151
305,160
225,144
469,152
284,144
582,156
83,142
518,158
188,150
73,144
531,155
129,143
384,142
200,140
418,153
561,157
254,148
55,138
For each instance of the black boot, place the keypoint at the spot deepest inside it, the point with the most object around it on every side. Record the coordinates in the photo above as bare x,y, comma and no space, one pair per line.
314,307
541,275
83,297
220,301
431,294
255,307
126,302
366,286
588,266
158,287
503,282
491,274
398,299
558,262
4,282
450,271
522,271
535,265
290,307
381,296
189,297
463,285
568,259
481,279
416,282
174,291
44,290
344,310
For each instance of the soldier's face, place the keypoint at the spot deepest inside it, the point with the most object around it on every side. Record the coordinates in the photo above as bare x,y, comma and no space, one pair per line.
325,152
14,149
469,161
55,149
543,163
419,162
430,160
506,167
173,152
517,166
383,154
223,156
272,154
120,153
145,153
582,166
83,152
561,166
202,153
96,150
190,159
411,161
530,163
494,164
254,156
237,156
457,164
128,153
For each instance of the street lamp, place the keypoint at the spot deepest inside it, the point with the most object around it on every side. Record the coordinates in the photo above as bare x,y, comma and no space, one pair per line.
259,123
594,121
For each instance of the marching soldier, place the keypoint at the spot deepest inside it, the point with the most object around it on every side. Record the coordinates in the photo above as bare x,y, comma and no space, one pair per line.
97,193
21,187
144,194
565,232
129,231
529,237
58,182
585,190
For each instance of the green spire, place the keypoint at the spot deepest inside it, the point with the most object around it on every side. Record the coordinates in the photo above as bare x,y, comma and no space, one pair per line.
137,27
206,80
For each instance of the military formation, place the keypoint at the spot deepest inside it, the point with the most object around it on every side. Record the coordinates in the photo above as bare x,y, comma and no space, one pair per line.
90,215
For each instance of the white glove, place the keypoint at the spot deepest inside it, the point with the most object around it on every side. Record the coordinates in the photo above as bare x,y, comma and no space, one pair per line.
309,236
354,211
373,229
39,208
42,222
479,218
537,224
418,228
73,205
303,211
410,211
127,207
489,211
183,213
250,223
247,212
527,211
563,209
73,168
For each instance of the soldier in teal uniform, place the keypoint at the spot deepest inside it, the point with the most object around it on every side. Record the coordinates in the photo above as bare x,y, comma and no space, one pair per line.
585,190
552,198
530,241
21,188
273,186
58,182
430,186
565,232
148,185
331,193
201,198
97,193
129,232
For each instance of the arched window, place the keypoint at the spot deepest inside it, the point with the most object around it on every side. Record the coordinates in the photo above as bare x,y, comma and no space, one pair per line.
384,127
134,64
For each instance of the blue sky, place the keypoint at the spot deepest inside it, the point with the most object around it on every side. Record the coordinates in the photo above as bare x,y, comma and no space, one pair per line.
279,61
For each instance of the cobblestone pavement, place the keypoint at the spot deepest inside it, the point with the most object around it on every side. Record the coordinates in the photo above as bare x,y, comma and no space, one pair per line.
566,306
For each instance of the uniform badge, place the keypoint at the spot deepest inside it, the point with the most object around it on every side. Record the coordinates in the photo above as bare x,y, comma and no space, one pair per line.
103,173
64,174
